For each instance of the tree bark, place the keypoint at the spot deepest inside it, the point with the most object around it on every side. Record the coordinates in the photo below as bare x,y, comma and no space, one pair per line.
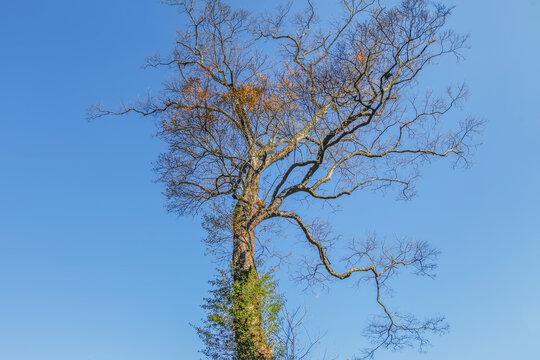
250,338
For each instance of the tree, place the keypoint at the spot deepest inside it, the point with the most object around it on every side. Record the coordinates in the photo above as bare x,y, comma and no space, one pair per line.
267,110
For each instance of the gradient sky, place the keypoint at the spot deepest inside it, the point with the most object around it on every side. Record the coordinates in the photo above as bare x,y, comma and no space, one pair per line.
93,268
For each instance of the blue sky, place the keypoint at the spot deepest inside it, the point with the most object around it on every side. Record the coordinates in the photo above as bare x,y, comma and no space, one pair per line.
93,268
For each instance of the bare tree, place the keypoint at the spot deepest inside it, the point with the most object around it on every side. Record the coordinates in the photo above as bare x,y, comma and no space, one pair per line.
296,342
264,111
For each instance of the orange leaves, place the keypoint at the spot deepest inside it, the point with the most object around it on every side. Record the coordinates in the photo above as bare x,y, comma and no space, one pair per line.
360,57
262,76
193,89
200,97
253,98
293,76
247,95
203,94
272,103
293,72
210,72
254,95
193,94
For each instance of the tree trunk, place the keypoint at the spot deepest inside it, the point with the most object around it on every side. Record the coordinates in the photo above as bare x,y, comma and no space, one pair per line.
249,334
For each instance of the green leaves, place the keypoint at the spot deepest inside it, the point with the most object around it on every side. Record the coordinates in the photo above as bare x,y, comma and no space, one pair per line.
240,302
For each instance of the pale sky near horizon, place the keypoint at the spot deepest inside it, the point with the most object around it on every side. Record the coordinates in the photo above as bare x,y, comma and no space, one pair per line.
93,268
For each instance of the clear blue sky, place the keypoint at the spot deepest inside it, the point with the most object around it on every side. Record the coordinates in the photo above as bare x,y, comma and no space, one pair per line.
93,268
